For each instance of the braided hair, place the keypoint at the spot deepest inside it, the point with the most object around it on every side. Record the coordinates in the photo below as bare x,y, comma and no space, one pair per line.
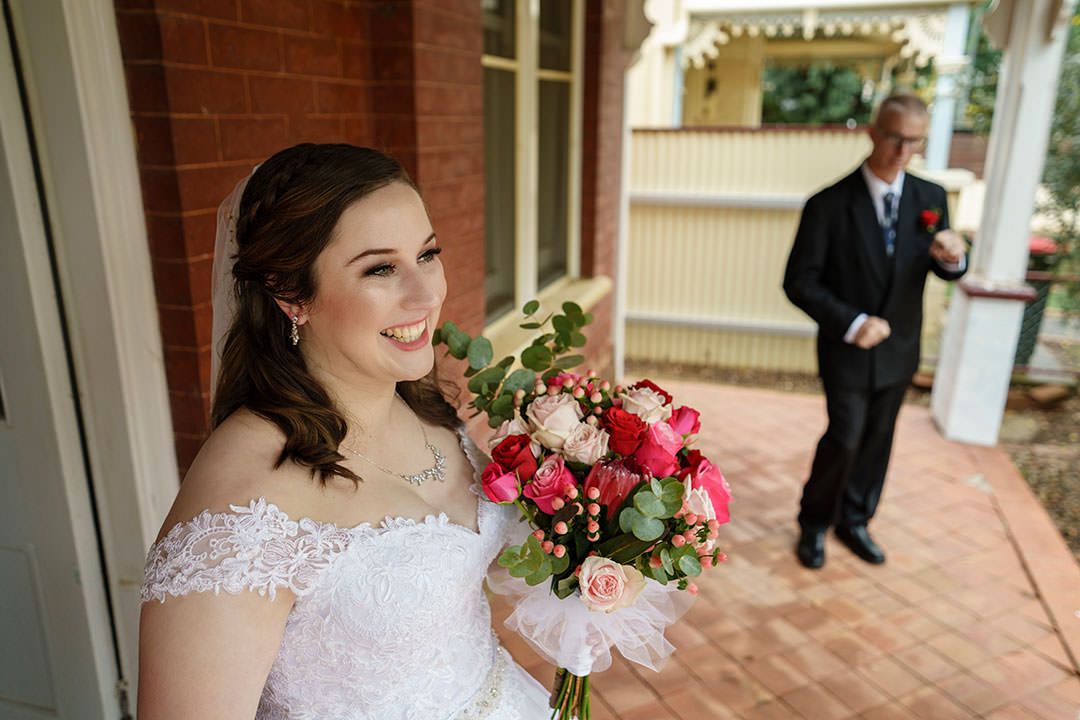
286,218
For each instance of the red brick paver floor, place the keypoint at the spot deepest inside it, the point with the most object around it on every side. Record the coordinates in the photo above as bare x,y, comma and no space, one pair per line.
976,614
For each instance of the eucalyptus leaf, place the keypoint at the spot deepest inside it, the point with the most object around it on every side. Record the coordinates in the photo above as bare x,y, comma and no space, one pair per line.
572,309
647,528
520,379
491,376
648,504
436,337
690,564
536,357
502,405
458,343
672,491
510,556
665,558
480,352
519,571
542,574
534,561
578,339
562,324
569,361
627,518
656,486
506,361
530,307
588,319
530,326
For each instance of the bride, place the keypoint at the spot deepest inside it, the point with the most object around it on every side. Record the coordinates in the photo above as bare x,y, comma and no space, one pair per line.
325,555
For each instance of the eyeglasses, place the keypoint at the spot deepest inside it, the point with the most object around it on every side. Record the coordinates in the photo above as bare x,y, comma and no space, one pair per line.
899,142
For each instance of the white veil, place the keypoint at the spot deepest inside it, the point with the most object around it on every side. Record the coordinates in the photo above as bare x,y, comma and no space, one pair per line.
222,285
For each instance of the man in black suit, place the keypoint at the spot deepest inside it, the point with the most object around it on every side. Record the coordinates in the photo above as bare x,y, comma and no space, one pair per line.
858,267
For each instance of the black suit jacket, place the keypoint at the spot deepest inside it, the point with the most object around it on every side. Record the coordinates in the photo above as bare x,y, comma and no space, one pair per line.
838,268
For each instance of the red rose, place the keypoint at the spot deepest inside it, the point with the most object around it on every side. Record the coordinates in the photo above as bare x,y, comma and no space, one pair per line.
514,453
626,430
655,388
929,219
615,479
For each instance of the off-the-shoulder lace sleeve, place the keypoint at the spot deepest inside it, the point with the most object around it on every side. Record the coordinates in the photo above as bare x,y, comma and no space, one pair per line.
255,547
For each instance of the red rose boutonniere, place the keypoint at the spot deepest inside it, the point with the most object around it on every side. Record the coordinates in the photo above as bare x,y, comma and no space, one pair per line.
930,219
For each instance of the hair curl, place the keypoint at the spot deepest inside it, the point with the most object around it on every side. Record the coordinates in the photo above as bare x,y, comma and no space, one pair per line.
286,218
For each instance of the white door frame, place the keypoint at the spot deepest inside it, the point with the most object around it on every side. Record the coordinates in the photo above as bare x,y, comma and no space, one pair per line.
77,96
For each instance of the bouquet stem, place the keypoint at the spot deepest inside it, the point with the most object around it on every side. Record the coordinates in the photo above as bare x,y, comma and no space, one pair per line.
570,696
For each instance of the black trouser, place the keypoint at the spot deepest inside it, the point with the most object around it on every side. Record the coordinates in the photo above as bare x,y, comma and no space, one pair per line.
852,456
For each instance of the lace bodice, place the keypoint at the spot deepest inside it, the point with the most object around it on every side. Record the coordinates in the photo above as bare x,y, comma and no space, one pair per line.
390,620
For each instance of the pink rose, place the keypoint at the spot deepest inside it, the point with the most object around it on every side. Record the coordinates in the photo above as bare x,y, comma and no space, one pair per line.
616,479
686,421
607,586
553,479
499,485
658,449
646,403
700,473
586,444
552,417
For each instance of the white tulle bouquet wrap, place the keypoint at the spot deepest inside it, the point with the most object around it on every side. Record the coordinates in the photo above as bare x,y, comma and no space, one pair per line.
623,512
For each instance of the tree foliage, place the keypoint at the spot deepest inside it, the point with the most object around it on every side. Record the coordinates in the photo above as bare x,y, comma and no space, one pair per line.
815,94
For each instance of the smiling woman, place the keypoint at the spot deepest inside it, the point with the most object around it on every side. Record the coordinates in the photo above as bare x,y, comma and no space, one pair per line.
331,440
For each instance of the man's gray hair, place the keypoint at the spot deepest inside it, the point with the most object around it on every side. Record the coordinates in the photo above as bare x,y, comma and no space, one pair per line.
902,103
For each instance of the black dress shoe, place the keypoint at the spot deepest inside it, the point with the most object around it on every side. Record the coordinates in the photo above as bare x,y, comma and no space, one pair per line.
858,539
811,548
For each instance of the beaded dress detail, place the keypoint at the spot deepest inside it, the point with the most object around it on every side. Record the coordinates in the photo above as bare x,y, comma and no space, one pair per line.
390,620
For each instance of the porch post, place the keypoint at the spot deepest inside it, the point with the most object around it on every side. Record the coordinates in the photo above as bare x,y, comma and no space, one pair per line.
949,64
972,379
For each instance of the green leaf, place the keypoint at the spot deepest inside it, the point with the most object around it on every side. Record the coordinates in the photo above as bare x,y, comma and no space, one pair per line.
530,307
491,377
656,486
647,528
469,372
536,357
503,405
436,337
530,326
541,574
672,491
569,361
506,362
648,504
480,352
562,324
573,310
519,570
520,379
690,564
578,340
627,518
495,421
560,565
659,574
566,587
588,319
534,561
458,343
510,556
665,557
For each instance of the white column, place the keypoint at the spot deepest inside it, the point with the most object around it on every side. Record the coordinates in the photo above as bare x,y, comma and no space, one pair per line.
973,376
678,88
951,61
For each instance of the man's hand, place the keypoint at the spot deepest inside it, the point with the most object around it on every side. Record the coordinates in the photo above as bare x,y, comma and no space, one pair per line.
948,247
872,332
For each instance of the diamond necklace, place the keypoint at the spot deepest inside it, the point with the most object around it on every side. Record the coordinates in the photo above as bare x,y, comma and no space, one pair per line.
434,472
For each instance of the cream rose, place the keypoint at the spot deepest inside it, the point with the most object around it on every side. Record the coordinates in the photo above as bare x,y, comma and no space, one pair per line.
607,586
508,428
586,444
552,417
647,404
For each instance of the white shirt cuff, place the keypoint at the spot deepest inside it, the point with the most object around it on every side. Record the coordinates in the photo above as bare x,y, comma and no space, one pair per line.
853,329
953,267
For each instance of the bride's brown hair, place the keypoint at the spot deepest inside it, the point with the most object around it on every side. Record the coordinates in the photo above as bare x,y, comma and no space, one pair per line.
286,218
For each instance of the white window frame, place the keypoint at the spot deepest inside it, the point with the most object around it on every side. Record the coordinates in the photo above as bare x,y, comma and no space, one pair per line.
527,77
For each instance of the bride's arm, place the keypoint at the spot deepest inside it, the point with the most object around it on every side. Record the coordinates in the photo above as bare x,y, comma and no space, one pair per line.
207,655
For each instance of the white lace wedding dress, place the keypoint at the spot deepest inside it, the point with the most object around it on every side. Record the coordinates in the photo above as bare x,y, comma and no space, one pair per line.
390,621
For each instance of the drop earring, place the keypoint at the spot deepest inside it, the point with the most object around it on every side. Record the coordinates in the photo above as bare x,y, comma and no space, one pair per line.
294,333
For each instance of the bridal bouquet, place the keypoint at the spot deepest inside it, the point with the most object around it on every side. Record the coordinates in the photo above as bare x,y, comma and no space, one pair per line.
619,503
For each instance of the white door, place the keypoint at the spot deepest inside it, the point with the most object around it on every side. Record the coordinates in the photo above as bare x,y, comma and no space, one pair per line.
57,650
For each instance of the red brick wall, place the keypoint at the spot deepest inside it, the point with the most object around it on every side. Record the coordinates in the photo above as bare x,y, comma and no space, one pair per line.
216,86
605,62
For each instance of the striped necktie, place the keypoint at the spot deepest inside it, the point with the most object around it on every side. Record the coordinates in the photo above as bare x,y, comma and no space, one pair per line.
889,228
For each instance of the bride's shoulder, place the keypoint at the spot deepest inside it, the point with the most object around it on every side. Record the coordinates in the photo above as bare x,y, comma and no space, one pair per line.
235,466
